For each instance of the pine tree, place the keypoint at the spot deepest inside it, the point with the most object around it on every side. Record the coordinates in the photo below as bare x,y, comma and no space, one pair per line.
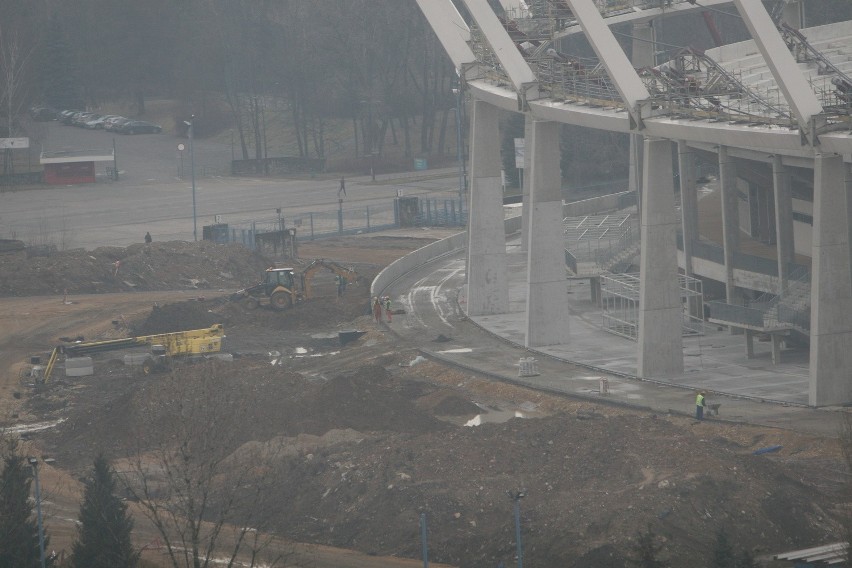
645,551
745,559
60,88
103,539
723,551
19,545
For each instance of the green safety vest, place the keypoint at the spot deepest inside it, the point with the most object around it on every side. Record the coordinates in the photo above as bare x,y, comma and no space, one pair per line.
699,400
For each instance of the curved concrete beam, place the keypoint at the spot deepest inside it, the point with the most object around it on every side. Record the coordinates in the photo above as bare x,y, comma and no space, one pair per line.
452,32
518,70
772,140
609,52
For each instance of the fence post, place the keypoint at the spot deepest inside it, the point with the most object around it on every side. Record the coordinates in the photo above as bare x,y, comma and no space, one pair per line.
453,211
312,225
428,211
446,214
368,218
253,235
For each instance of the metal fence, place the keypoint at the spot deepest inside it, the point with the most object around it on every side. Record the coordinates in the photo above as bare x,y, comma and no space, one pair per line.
431,212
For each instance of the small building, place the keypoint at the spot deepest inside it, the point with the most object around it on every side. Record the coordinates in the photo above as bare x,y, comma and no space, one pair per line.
73,166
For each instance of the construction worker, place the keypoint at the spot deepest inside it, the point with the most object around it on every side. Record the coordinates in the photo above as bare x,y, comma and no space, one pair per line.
342,189
148,238
377,309
699,406
387,304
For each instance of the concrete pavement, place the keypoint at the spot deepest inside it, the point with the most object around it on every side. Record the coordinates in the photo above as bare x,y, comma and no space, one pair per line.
748,390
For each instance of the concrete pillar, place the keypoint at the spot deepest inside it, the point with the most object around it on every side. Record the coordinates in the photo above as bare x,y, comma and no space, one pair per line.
831,285
730,220
525,187
644,48
595,290
660,340
688,202
688,215
634,175
487,271
547,288
784,241
776,349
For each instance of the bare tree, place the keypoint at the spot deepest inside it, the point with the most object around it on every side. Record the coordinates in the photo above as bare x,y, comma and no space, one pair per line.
191,473
15,57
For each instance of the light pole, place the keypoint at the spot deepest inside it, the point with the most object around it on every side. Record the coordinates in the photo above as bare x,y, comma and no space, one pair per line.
34,464
192,173
516,496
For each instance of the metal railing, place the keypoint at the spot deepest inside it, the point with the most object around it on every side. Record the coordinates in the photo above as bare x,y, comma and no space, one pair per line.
433,212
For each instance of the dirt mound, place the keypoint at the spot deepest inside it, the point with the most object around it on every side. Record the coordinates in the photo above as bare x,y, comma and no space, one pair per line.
170,265
448,403
259,402
179,316
592,480
589,483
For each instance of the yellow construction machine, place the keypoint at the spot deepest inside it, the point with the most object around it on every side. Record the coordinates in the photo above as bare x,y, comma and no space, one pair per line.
282,288
163,346
344,275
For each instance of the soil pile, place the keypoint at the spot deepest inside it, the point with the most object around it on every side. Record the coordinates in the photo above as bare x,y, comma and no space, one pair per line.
369,452
173,265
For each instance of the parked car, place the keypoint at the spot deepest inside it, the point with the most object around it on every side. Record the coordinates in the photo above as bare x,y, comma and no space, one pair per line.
140,127
115,122
67,116
80,119
98,123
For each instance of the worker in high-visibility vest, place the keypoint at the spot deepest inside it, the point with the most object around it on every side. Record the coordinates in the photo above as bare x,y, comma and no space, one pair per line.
386,301
699,406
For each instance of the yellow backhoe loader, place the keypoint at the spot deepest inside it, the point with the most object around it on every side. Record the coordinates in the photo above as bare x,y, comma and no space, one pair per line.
282,288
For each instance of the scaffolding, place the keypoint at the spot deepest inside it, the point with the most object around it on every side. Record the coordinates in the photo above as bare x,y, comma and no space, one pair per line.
620,305
691,85
592,237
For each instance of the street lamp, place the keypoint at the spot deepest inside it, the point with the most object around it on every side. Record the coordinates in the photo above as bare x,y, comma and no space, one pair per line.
34,465
516,496
192,173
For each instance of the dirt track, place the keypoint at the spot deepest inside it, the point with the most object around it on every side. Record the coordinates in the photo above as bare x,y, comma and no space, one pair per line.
374,442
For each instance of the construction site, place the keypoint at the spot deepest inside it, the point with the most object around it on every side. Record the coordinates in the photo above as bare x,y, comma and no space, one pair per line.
358,386
373,434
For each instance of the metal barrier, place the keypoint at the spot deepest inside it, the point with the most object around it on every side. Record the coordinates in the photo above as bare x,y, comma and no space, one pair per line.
433,212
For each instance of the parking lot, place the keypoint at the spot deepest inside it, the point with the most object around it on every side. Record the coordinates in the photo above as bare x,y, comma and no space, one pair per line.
150,194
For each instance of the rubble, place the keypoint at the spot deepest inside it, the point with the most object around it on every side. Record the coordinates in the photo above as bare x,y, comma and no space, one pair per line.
171,265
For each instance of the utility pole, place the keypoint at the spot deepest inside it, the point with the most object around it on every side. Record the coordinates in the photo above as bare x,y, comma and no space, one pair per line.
191,124
516,496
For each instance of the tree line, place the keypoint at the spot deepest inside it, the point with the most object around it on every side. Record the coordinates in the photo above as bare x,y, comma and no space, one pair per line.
374,63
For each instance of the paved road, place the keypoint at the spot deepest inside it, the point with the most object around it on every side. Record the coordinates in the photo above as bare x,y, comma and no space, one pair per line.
151,196
431,297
